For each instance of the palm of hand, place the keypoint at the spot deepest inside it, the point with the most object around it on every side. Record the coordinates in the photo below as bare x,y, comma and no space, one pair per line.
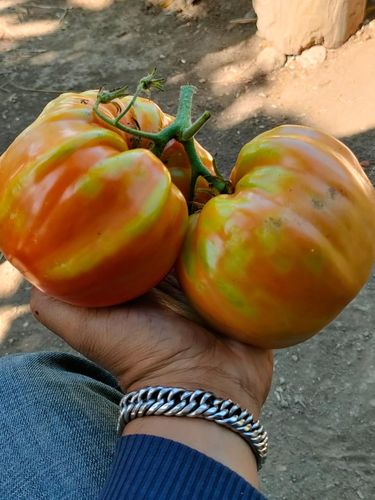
158,340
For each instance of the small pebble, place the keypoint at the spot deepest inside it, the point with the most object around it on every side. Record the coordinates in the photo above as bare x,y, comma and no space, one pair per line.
270,59
298,399
313,56
281,468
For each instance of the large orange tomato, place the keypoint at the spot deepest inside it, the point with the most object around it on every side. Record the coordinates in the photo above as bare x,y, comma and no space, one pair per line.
276,261
84,218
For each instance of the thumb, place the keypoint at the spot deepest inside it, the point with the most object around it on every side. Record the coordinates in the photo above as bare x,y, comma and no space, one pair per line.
69,322
118,338
100,334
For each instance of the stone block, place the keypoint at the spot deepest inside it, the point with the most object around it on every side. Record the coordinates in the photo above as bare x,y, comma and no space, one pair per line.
294,25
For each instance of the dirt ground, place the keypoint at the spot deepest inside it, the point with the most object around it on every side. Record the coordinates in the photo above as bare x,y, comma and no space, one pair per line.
321,410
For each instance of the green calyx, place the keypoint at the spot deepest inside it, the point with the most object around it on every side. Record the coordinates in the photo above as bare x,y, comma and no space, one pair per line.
182,128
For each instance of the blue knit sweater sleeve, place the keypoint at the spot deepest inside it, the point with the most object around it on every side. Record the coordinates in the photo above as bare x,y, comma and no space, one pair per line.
154,468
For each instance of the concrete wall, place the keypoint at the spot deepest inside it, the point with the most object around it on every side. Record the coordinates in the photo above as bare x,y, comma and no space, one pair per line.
293,25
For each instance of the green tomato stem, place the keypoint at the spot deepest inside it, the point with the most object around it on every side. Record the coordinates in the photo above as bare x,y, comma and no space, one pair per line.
190,132
128,107
139,133
198,169
185,104
144,85
182,129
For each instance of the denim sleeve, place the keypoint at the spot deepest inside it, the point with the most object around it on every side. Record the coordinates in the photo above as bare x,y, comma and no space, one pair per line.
153,468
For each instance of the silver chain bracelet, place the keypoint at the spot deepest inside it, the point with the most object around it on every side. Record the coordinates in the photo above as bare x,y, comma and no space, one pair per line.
178,402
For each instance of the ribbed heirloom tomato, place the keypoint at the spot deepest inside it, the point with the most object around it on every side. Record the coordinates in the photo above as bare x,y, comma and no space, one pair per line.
90,215
82,216
277,260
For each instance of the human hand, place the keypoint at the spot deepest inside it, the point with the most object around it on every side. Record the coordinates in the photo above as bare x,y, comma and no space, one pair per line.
157,340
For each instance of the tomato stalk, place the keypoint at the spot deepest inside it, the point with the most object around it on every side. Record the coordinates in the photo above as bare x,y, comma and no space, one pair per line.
190,132
218,183
182,129
145,85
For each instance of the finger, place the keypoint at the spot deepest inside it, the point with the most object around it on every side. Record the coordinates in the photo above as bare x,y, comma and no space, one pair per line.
68,322
108,336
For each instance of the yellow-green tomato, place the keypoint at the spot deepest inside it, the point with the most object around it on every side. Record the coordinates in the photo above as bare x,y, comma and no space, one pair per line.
276,261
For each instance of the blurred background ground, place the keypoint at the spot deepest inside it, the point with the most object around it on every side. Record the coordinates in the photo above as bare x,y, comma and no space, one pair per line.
320,413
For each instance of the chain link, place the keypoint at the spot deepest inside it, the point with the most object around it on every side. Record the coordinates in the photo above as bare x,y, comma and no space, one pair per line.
178,402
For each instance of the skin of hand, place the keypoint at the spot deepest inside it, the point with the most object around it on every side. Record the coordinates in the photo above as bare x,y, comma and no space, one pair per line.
158,340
